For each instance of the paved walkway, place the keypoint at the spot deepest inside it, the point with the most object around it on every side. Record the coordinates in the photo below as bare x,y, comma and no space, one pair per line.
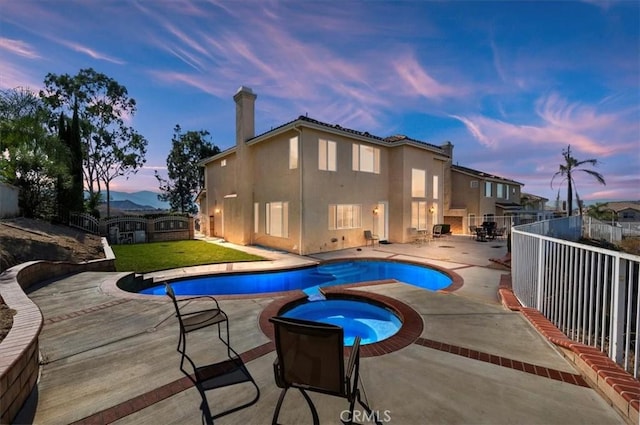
109,356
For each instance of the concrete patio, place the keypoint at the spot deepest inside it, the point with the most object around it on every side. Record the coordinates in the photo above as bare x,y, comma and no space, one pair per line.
108,356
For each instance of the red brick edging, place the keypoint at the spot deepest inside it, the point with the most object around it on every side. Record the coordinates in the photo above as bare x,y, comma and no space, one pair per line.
620,387
409,332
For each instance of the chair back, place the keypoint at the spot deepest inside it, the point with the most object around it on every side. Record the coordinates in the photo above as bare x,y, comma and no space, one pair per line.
171,294
368,234
311,355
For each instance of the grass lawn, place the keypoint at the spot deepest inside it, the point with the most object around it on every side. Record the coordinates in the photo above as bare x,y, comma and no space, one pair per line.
150,257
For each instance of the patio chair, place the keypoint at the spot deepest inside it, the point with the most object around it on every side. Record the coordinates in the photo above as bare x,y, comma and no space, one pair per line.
370,237
205,377
311,358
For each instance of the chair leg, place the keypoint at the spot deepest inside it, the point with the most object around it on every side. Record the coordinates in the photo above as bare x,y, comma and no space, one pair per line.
314,412
366,408
274,420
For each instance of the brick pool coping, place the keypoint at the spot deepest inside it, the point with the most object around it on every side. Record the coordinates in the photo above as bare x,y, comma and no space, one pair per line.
602,373
409,332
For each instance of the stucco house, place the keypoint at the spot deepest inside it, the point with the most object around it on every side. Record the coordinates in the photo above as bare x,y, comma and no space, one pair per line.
308,186
477,196
626,211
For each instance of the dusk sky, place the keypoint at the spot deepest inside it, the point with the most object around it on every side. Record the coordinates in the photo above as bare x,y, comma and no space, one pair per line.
510,84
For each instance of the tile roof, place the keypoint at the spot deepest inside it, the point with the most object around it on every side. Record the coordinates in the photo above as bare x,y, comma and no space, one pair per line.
482,174
624,205
391,140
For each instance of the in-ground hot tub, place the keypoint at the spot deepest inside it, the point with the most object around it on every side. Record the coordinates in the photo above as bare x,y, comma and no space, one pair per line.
371,321
408,333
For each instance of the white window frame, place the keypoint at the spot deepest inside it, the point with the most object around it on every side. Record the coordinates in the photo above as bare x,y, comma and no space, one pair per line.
473,184
277,219
418,183
223,163
488,189
256,216
365,158
293,153
436,187
327,155
345,216
419,215
499,190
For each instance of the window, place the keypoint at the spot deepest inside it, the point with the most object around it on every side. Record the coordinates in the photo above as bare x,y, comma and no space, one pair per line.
506,192
277,219
256,216
435,187
293,153
499,190
487,189
419,215
223,163
345,216
366,158
418,183
473,184
326,155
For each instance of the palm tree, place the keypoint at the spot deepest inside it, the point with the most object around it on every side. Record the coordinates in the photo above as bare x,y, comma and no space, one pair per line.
567,170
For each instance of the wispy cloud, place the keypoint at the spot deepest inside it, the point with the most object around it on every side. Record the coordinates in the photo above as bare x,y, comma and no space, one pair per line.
18,47
90,52
561,123
419,82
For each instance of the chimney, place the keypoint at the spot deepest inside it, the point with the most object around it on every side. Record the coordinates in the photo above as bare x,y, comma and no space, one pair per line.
245,114
448,149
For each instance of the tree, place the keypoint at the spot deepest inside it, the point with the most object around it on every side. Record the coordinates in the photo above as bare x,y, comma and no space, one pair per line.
110,149
186,177
122,155
33,157
568,169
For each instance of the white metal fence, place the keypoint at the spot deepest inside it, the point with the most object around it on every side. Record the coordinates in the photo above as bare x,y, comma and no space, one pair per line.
610,232
589,293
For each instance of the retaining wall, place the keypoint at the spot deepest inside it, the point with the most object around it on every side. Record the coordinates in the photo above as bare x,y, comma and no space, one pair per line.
19,353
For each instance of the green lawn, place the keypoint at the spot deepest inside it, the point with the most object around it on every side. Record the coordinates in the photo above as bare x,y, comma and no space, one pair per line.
150,257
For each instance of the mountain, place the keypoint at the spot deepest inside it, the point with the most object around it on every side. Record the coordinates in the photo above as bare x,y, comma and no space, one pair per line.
144,199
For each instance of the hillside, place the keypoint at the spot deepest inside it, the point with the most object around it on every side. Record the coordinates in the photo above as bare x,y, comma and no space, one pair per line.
24,240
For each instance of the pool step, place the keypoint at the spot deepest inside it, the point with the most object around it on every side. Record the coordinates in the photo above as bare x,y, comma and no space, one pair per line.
343,272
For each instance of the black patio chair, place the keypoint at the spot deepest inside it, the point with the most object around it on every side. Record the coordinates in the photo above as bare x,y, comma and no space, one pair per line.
370,237
311,358
205,377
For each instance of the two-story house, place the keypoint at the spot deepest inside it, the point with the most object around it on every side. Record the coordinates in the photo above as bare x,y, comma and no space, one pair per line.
308,186
477,196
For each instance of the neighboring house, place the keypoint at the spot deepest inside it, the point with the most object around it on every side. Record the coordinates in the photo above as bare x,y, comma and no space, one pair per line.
534,208
308,186
626,211
477,196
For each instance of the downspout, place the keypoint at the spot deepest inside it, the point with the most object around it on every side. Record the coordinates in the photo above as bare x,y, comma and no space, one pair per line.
301,201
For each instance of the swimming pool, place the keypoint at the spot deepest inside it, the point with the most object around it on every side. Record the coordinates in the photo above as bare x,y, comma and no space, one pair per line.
327,274
370,322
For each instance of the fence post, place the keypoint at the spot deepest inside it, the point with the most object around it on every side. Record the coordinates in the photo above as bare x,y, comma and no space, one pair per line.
619,295
540,272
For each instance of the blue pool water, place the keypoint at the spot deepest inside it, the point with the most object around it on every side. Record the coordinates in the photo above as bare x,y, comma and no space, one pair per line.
334,273
357,318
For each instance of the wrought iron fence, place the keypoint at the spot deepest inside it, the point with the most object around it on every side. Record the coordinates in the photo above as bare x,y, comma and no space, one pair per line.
135,229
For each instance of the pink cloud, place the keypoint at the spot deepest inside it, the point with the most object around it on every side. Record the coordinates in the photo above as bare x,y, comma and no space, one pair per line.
418,81
563,123
18,47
